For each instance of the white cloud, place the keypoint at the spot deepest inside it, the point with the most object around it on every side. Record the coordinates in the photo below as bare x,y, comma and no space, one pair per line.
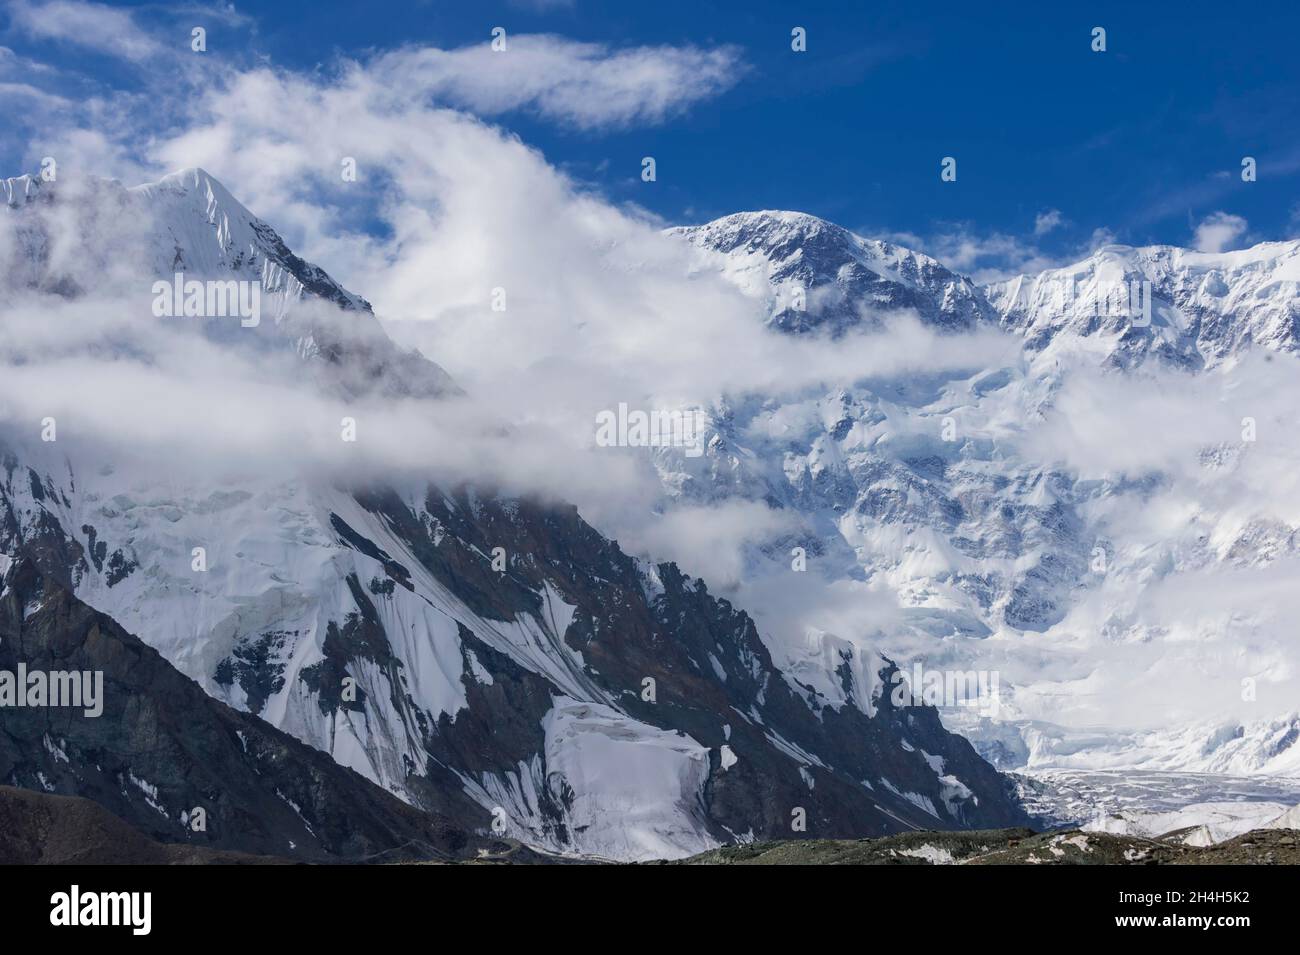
583,84
987,257
38,97
1048,220
711,541
1100,236
94,26
1218,231
602,308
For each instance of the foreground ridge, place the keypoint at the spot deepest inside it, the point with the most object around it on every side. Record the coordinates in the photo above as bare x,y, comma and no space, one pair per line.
1013,847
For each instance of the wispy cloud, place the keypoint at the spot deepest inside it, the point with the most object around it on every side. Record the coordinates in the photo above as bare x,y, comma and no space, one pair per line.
93,26
587,85
17,91
1048,220
1218,231
982,256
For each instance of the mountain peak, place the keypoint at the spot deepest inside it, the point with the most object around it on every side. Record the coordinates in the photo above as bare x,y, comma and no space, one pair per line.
193,195
771,231
1204,307
845,279
191,179
773,219
188,223
1145,258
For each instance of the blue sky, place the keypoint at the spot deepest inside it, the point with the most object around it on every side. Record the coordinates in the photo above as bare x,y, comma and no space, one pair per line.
1144,141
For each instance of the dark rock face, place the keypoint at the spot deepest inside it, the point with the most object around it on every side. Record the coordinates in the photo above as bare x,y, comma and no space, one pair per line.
163,748
40,829
713,678
776,750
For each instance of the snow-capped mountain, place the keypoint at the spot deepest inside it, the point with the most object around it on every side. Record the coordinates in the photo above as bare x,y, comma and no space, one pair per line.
176,763
955,492
866,464
188,224
816,275
185,222
1199,310
572,697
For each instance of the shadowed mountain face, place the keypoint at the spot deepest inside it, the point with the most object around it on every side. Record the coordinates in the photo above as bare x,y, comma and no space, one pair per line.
557,657
759,746
40,829
493,661
162,749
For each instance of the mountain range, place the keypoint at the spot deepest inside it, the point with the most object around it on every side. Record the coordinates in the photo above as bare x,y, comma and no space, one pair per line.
573,698
339,663
1032,515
